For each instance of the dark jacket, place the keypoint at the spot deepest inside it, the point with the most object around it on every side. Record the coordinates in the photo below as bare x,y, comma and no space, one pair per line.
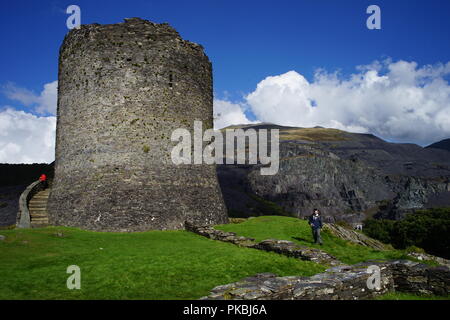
315,221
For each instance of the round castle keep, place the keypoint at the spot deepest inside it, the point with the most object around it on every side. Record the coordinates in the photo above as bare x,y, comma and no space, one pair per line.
123,89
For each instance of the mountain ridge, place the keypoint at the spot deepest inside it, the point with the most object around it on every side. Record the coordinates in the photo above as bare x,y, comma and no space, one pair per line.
443,144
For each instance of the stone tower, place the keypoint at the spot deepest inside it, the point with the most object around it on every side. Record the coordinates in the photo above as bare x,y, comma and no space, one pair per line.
123,88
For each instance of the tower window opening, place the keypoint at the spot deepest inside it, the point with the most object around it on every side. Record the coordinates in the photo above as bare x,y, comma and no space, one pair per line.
170,80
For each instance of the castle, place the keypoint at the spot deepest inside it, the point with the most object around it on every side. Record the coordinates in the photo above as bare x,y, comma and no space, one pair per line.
123,89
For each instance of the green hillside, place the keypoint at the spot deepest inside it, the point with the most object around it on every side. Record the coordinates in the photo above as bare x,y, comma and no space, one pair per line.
293,229
155,264
147,265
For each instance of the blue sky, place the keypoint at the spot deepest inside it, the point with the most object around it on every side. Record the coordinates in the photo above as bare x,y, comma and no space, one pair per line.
247,41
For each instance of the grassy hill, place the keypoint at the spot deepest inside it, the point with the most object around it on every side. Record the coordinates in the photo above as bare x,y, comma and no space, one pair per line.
154,264
148,265
298,231
314,134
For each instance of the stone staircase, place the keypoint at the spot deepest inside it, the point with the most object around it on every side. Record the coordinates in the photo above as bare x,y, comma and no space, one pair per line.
38,209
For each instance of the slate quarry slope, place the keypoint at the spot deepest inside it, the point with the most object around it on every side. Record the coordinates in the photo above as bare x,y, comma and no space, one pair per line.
348,176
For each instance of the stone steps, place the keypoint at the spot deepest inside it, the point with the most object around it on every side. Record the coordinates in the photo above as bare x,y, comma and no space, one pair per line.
38,209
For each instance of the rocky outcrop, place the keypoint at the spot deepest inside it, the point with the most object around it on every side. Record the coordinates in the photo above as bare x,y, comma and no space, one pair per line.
340,283
311,178
287,248
353,236
425,256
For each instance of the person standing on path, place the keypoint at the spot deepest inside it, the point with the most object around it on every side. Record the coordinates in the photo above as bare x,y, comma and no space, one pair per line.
315,221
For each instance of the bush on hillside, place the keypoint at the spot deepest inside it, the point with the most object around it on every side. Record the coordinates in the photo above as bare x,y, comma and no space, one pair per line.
379,229
427,229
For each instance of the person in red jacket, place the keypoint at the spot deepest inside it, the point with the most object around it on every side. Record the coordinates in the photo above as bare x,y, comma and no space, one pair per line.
43,179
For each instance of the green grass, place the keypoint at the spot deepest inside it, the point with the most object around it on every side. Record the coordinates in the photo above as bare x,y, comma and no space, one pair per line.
159,264
409,296
147,265
313,134
298,231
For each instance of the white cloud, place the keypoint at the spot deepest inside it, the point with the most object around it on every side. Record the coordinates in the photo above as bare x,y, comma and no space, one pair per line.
26,138
44,103
394,100
227,113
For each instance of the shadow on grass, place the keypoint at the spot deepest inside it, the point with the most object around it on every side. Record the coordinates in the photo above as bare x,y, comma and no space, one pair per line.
302,239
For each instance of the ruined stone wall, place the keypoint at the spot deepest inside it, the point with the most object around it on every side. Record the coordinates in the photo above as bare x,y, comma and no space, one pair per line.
123,89
340,283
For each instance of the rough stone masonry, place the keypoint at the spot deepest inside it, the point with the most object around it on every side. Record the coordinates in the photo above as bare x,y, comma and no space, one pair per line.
122,89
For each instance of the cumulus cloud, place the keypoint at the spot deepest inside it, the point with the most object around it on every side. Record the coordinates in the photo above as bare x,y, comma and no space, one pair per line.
394,100
227,113
397,101
43,103
26,138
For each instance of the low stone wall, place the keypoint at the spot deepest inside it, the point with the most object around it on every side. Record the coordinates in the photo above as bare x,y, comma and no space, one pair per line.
23,215
290,249
210,232
339,283
419,278
426,256
284,247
